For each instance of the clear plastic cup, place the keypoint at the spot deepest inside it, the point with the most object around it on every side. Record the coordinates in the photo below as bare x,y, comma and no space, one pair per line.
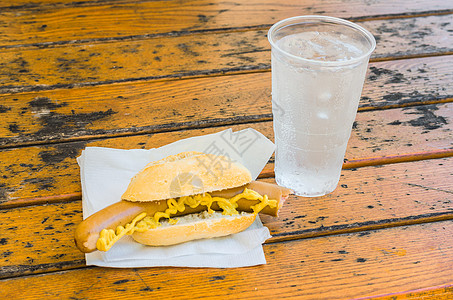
318,70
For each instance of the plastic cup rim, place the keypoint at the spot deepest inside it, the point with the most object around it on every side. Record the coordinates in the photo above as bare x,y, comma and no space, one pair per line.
334,20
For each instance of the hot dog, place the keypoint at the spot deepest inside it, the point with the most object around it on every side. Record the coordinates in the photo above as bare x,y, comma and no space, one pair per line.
142,200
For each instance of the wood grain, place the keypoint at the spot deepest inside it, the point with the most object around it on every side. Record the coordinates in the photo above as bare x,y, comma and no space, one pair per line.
30,173
432,293
148,107
379,262
26,5
66,66
141,74
43,22
39,238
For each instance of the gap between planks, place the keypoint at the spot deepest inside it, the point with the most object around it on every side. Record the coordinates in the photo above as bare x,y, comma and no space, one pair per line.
217,30
213,123
371,249
299,217
214,65
267,172
361,227
12,90
51,268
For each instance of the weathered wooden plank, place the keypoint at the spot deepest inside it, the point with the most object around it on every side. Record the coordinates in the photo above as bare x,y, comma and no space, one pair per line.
193,55
351,265
25,5
404,35
39,238
46,247
51,170
397,131
130,108
56,21
432,293
369,198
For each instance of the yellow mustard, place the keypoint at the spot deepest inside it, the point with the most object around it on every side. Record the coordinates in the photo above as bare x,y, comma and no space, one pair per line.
142,222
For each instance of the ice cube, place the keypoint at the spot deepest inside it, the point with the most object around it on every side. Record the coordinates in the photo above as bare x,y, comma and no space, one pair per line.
324,97
323,115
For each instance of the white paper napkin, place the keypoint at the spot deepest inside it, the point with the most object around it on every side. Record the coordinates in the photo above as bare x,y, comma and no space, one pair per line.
105,174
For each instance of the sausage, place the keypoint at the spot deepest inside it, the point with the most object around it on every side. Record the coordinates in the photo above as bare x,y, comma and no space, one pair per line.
272,191
123,212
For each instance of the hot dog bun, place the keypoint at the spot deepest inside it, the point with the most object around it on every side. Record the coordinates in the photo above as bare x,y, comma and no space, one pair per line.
184,184
194,227
122,212
185,174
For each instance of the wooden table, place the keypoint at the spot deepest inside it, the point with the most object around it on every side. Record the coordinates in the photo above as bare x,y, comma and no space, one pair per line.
141,74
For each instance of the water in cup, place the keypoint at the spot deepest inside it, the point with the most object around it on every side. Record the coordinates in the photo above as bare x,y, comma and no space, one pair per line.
314,103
